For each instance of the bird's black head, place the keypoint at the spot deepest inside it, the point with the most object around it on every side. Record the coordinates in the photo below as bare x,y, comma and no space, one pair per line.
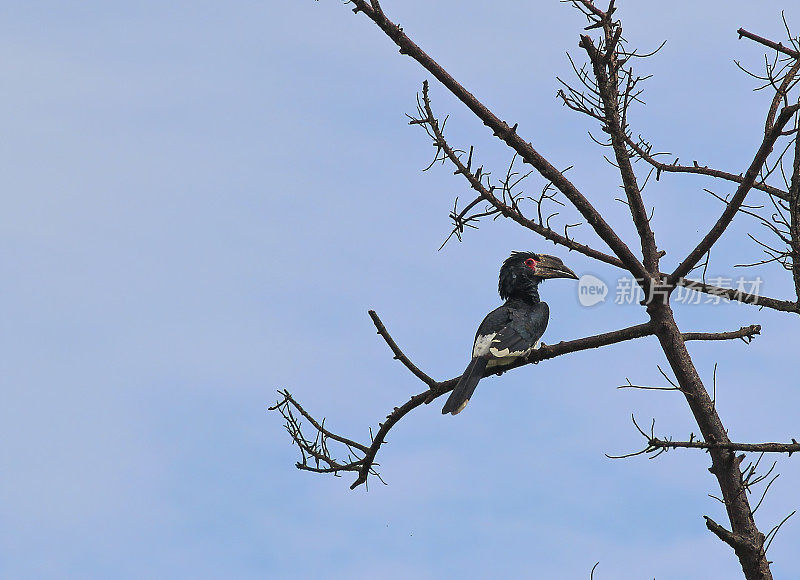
522,271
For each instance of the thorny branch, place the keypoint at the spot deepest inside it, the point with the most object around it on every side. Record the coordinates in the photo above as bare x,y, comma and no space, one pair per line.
739,296
738,198
789,448
780,77
655,446
644,150
478,181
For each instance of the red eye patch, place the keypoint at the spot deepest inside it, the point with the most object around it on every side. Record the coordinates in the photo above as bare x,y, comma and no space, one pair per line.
530,263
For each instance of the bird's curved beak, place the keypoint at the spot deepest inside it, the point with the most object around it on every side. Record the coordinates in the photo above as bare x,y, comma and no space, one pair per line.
552,267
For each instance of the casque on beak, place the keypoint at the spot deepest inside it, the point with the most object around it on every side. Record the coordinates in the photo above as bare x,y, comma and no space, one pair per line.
553,267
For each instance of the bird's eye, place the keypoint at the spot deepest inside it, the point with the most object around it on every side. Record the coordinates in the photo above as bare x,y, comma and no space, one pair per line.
530,263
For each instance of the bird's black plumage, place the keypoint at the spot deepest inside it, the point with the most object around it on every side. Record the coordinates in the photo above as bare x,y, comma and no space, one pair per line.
513,330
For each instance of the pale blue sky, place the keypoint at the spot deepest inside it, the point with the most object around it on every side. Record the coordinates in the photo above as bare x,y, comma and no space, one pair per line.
200,203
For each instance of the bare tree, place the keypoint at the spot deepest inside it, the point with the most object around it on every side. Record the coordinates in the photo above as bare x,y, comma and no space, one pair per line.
607,86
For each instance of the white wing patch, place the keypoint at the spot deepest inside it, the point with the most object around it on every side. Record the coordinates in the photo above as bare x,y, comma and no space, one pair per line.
507,353
483,347
483,344
502,360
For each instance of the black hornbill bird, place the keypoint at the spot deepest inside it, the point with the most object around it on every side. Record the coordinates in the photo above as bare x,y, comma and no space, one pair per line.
513,330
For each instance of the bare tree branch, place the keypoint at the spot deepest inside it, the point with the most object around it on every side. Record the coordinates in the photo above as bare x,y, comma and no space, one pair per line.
789,448
746,333
735,541
725,465
509,136
643,153
656,445
739,296
771,44
738,198
365,464
398,354
429,120
607,65
794,220
609,94
780,94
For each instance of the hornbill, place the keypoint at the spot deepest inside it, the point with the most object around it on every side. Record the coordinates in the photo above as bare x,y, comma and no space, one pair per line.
513,330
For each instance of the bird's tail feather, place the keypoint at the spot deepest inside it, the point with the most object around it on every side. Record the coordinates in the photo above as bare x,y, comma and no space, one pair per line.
466,386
